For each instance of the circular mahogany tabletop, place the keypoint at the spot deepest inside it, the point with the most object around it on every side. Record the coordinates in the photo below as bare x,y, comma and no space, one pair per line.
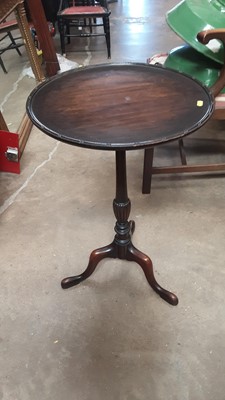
119,106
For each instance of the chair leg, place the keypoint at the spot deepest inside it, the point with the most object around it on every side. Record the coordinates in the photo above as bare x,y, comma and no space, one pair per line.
68,32
2,65
107,35
14,43
62,35
90,24
182,152
147,170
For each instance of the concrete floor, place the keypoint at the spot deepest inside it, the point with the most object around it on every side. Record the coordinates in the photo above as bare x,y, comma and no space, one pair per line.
111,337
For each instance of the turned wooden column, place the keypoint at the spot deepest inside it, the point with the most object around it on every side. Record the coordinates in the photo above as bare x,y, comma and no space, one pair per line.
47,46
28,41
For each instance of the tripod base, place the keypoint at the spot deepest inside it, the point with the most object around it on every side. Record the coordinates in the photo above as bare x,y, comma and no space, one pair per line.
127,252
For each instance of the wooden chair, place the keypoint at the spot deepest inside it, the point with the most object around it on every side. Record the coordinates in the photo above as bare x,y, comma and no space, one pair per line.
219,113
83,16
9,42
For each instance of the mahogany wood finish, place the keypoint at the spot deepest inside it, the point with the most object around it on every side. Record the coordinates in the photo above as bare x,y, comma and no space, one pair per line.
120,107
122,246
219,113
